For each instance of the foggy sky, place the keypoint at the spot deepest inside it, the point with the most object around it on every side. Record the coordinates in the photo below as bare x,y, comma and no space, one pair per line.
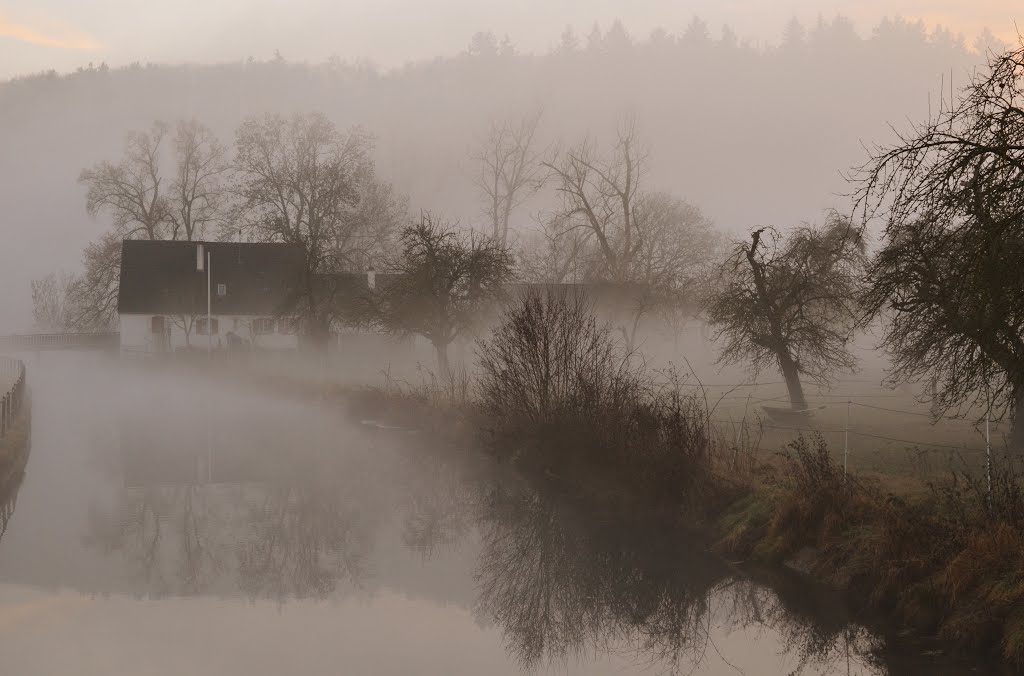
36,35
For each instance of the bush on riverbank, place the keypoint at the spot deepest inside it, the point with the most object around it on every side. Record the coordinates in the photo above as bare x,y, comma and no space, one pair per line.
948,564
561,396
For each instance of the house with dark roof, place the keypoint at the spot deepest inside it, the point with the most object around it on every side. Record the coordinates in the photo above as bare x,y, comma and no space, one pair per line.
253,291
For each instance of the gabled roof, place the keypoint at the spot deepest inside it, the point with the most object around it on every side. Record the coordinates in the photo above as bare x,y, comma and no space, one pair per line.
161,277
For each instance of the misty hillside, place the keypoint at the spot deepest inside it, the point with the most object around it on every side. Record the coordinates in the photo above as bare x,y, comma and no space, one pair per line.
750,135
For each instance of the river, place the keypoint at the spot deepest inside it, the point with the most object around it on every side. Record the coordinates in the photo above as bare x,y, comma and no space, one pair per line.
169,526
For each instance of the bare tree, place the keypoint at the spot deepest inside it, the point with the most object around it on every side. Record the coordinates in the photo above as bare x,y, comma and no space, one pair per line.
674,249
554,255
302,181
673,246
948,277
372,227
131,190
617,233
599,195
187,324
609,229
50,302
442,282
92,297
197,193
791,303
134,191
144,204
509,170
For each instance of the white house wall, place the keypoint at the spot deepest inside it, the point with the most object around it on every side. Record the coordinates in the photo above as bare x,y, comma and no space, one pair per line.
136,334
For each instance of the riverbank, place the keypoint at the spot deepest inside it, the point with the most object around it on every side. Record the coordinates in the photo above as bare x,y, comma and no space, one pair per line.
942,570
945,565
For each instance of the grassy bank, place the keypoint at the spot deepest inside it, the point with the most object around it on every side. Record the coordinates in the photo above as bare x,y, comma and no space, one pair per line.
947,563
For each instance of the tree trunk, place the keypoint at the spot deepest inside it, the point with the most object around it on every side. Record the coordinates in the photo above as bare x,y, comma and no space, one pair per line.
442,359
1017,423
319,334
792,377
506,213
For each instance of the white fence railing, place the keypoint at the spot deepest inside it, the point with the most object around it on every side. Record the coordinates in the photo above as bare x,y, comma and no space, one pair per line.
60,341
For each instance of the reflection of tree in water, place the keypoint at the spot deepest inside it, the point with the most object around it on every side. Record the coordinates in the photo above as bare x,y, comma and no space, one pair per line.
302,540
277,541
812,624
563,582
440,499
297,534
170,532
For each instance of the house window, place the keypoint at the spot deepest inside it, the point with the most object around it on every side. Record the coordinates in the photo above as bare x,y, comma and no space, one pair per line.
156,325
263,325
203,330
289,325
222,290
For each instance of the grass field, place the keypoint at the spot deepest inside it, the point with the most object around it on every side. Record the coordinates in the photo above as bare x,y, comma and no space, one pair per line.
885,431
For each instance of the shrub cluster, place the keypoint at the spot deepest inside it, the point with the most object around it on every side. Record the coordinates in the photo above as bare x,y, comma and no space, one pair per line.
562,395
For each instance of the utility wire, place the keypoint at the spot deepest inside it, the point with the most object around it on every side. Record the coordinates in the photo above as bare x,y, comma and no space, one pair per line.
925,415
916,443
863,434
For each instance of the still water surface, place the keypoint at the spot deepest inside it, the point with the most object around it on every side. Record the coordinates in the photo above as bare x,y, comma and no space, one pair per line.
164,526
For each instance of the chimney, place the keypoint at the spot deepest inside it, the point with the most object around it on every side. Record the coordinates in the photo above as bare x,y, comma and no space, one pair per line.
371,278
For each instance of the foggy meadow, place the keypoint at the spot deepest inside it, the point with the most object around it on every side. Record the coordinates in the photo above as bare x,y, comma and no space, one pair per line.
675,351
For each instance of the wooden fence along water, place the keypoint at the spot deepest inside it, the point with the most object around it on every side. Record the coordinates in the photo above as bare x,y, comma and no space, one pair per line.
12,389
13,395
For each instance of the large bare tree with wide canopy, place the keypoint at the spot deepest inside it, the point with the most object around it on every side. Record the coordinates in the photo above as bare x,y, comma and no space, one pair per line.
949,281
301,181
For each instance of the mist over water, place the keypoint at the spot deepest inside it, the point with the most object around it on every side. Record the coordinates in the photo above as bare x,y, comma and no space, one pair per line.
168,523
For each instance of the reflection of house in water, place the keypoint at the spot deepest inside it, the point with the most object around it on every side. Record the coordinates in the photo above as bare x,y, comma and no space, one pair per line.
259,496
197,442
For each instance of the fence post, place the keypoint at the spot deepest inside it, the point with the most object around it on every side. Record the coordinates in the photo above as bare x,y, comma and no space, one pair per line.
988,455
846,439
3,416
